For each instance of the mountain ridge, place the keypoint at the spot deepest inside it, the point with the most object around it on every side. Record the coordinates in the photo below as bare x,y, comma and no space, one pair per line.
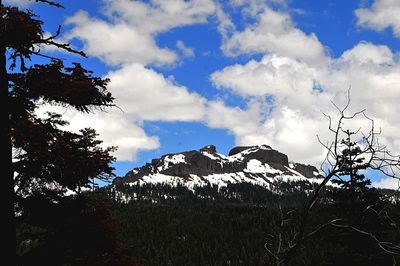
261,165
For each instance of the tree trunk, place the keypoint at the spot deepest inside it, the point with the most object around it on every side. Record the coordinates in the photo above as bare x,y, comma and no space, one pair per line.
7,232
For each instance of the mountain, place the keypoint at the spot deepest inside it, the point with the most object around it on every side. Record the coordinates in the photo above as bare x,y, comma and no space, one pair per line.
259,165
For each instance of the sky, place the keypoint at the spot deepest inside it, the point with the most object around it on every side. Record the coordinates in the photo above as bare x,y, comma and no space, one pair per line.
186,74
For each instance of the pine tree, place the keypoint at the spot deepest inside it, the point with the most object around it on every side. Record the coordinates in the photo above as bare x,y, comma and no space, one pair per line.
352,183
42,161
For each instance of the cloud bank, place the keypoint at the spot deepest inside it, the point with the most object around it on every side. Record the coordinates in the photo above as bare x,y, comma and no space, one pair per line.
382,14
285,89
126,40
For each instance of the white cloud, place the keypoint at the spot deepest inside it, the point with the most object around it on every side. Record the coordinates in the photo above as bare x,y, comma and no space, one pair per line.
21,3
374,76
380,15
286,130
146,95
365,52
117,43
240,122
141,94
254,7
299,80
114,127
285,90
186,51
275,32
387,182
157,16
272,75
126,38
225,25
300,91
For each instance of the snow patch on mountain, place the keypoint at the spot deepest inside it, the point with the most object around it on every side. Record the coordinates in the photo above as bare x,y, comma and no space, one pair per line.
176,158
258,165
255,166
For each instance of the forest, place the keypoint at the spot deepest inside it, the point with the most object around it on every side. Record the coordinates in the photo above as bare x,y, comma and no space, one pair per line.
55,213
174,226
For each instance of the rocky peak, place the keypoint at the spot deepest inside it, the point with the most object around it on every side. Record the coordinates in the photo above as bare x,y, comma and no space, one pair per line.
209,149
306,170
239,149
242,163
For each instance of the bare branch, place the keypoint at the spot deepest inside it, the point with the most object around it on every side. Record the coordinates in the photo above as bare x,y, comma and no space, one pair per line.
50,3
387,247
346,156
65,46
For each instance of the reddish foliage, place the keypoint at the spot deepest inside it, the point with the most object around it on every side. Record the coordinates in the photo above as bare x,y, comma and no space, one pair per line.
49,161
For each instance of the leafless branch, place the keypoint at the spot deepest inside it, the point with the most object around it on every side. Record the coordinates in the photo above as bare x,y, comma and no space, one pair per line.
387,247
50,3
370,155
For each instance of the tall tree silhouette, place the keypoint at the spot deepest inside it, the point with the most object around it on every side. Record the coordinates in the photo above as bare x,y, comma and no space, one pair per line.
353,184
42,161
348,154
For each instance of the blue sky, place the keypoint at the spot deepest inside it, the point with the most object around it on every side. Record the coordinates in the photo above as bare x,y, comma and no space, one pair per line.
191,73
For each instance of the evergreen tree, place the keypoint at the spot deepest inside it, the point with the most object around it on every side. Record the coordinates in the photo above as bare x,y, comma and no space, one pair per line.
359,210
41,161
353,185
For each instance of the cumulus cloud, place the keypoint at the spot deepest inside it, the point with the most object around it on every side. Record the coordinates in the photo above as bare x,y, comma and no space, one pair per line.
275,32
254,7
114,127
380,15
286,130
280,76
147,95
128,35
374,76
141,95
21,3
117,43
365,52
225,25
125,38
240,122
387,182
186,51
285,90
157,16
300,92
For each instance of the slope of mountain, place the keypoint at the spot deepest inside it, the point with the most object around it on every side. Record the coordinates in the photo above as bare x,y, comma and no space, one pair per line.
260,165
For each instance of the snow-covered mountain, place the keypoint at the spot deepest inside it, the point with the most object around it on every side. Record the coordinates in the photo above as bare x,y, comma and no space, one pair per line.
259,165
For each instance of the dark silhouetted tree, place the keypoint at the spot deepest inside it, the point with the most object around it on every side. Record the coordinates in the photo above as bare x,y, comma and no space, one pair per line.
41,161
358,208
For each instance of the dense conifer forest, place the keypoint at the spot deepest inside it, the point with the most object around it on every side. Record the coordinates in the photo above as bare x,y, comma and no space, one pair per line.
167,225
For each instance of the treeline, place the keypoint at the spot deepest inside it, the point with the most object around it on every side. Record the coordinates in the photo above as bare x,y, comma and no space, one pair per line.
233,192
238,224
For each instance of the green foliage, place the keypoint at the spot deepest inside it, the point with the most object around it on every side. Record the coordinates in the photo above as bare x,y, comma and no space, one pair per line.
204,233
351,160
296,191
49,166
174,226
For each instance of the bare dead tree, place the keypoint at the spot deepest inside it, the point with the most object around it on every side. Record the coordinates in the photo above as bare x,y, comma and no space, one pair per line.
347,153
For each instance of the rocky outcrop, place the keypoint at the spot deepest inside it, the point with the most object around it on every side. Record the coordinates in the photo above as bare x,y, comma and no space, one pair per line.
195,163
238,149
243,160
269,156
306,170
210,149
